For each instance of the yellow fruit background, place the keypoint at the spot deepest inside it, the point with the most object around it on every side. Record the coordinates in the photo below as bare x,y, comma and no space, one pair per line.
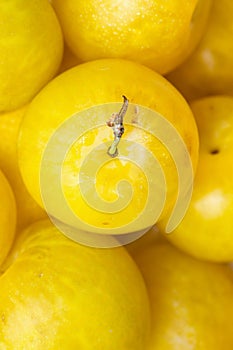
157,34
7,217
28,210
60,59
191,300
31,47
206,230
209,70
57,292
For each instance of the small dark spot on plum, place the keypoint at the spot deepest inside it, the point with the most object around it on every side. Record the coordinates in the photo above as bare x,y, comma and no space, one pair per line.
105,223
214,151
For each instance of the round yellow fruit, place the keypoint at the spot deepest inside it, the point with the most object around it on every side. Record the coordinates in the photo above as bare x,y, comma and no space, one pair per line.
56,293
191,300
157,34
209,70
7,217
80,101
31,46
206,230
28,210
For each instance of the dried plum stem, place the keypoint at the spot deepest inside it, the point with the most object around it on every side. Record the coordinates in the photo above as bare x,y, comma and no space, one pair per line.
116,123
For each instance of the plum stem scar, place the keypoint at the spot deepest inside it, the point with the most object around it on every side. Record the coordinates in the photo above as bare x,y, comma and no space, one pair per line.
116,123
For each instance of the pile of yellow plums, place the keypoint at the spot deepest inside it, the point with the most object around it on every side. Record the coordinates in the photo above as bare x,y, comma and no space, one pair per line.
116,175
